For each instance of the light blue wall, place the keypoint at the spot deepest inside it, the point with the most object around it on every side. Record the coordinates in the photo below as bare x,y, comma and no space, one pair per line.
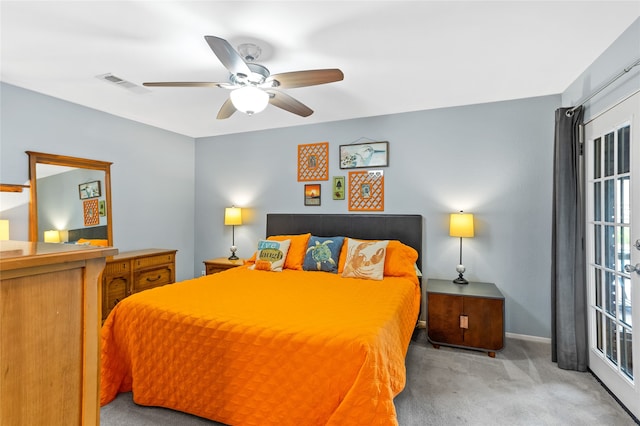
493,160
152,175
622,53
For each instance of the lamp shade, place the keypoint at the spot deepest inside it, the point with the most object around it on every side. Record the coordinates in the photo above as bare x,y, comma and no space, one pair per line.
461,225
249,99
51,236
233,216
4,229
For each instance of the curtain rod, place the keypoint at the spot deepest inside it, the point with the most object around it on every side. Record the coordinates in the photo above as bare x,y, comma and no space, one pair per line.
570,112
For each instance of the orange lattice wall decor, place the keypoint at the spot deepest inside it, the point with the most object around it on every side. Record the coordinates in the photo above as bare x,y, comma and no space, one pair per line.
91,214
366,190
313,161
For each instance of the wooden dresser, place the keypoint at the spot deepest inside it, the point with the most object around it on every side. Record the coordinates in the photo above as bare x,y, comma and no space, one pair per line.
133,271
465,315
49,333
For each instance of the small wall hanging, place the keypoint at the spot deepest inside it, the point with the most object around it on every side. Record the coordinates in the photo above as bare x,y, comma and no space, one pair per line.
91,215
312,194
313,161
366,190
360,155
89,190
338,188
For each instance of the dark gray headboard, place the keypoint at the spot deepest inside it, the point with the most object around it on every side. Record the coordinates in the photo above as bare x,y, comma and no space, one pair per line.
405,228
90,233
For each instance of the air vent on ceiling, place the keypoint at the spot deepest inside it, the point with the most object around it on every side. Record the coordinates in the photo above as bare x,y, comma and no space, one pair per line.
112,79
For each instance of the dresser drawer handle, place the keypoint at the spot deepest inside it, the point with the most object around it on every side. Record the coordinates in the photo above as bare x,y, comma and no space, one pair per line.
154,279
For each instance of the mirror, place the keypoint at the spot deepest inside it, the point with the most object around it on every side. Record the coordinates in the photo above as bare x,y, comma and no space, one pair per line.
71,197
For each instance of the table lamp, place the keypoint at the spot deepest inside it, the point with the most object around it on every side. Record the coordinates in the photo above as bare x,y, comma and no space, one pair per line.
233,217
4,229
461,225
52,236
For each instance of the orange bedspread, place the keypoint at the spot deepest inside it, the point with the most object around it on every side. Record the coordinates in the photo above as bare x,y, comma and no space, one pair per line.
264,348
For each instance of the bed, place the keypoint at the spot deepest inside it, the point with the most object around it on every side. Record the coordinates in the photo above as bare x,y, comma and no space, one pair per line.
294,347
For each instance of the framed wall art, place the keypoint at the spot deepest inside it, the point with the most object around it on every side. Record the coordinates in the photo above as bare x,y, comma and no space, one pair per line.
91,214
366,190
312,194
364,155
338,188
89,190
313,161
102,208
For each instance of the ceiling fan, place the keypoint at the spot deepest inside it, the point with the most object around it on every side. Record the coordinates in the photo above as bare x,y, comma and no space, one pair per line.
252,85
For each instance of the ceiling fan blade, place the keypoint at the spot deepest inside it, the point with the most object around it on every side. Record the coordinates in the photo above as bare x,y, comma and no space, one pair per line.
227,55
287,103
289,80
227,110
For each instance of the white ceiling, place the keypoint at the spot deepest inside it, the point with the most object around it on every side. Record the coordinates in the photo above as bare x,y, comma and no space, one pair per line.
396,56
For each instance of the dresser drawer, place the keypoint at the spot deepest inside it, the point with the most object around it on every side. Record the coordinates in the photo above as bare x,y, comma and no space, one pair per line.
115,289
151,278
144,262
118,267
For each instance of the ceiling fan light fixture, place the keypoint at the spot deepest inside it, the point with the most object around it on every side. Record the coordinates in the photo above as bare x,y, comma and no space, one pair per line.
249,99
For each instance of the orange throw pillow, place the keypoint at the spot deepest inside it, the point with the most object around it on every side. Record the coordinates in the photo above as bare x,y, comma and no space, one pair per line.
297,250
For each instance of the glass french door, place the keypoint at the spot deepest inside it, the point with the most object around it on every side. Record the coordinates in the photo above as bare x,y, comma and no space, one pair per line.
612,166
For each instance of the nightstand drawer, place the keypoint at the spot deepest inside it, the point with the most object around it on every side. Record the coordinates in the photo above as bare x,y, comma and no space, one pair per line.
213,266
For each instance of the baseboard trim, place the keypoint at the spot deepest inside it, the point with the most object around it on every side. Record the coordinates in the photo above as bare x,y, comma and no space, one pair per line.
529,338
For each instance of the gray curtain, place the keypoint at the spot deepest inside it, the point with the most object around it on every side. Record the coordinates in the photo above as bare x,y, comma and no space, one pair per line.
569,344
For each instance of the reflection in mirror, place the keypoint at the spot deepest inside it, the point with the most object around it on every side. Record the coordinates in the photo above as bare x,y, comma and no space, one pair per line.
70,200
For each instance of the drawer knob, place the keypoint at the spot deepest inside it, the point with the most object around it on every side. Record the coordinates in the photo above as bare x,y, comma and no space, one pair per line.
154,279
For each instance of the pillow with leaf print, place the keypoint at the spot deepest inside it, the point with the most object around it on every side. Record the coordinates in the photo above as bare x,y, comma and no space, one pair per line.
322,254
271,255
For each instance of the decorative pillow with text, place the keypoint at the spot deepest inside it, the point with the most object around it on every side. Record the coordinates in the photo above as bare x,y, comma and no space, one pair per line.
271,255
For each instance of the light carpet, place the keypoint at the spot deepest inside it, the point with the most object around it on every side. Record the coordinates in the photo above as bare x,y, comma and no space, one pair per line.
449,386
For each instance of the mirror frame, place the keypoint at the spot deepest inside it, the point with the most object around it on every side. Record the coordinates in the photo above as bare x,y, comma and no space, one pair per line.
63,160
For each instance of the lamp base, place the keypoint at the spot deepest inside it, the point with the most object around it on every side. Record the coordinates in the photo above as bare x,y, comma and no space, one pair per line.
233,253
460,280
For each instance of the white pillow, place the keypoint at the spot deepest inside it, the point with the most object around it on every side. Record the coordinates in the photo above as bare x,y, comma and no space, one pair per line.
271,255
365,259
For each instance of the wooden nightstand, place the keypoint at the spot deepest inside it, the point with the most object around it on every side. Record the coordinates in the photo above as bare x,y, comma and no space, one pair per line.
465,315
220,264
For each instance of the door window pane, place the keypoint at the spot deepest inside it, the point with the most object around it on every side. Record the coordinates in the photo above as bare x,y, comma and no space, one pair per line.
625,307
623,149
608,154
624,208
597,244
597,203
609,247
610,293
598,287
599,330
612,341
624,248
597,165
626,352
609,203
